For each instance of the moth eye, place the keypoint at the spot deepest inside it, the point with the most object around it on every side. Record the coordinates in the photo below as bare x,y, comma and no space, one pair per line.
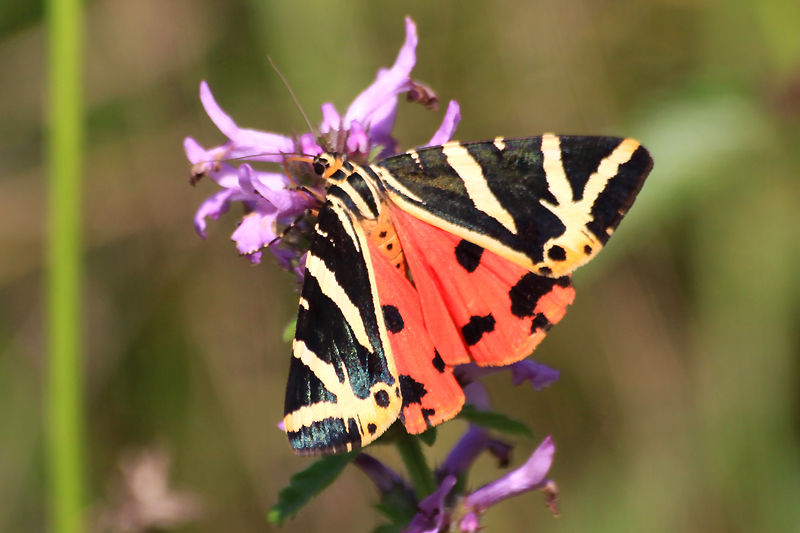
319,168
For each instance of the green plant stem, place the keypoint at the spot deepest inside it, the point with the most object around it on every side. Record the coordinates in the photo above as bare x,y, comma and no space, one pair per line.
418,469
64,273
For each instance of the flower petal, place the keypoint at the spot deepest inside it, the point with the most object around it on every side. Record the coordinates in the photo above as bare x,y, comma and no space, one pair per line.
387,85
255,145
467,449
538,375
382,121
385,478
257,229
207,162
476,395
285,260
469,524
474,441
357,140
309,146
448,128
331,120
528,477
272,187
431,513
194,152
245,181
214,206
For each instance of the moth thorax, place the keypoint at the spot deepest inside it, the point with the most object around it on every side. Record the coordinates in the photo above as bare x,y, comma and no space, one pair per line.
382,234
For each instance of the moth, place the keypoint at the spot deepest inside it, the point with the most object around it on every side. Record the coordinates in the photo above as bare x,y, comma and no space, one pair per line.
437,257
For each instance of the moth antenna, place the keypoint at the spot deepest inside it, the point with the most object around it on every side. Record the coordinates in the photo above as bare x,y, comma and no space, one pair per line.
303,159
247,157
296,102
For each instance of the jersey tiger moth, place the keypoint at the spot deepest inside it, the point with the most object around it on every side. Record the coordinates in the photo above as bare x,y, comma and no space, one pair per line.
437,257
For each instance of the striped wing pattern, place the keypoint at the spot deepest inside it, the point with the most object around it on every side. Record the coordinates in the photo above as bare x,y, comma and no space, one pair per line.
343,387
490,232
548,204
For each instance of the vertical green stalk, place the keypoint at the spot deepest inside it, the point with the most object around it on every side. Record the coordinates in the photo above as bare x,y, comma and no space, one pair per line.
416,465
64,279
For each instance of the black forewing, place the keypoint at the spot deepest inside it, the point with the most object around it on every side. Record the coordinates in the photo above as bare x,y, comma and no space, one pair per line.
336,301
514,173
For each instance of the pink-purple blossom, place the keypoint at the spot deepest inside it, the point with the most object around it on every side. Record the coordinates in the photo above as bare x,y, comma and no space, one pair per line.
269,199
435,516
538,375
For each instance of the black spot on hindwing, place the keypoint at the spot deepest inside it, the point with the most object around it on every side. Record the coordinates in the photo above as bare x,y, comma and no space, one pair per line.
372,428
468,255
477,326
393,319
427,414
411,390
438,362
530,288
540,323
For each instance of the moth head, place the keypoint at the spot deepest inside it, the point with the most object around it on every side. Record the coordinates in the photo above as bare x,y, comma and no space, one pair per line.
326,164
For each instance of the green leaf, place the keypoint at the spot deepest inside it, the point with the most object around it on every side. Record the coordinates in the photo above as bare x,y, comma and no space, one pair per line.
496,421
306,484
428,437
388,528
288,331
398,505
395,515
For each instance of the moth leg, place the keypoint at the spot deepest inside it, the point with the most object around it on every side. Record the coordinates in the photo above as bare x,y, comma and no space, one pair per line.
294,224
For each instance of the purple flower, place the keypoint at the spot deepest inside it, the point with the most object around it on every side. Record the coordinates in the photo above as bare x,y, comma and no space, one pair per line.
385,479
266,200
431,514
433,517
528,477
538,375
269,198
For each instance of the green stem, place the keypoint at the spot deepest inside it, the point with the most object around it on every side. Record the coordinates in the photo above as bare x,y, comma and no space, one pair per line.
64,384
418,469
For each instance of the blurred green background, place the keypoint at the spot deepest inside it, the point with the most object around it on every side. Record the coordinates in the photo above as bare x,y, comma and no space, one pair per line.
678,404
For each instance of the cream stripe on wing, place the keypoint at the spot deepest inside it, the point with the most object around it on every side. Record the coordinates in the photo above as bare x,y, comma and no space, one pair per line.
340,209
478,190
370,181
606,170
347,405
331,288
392,183
357,199
575,215
557,181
